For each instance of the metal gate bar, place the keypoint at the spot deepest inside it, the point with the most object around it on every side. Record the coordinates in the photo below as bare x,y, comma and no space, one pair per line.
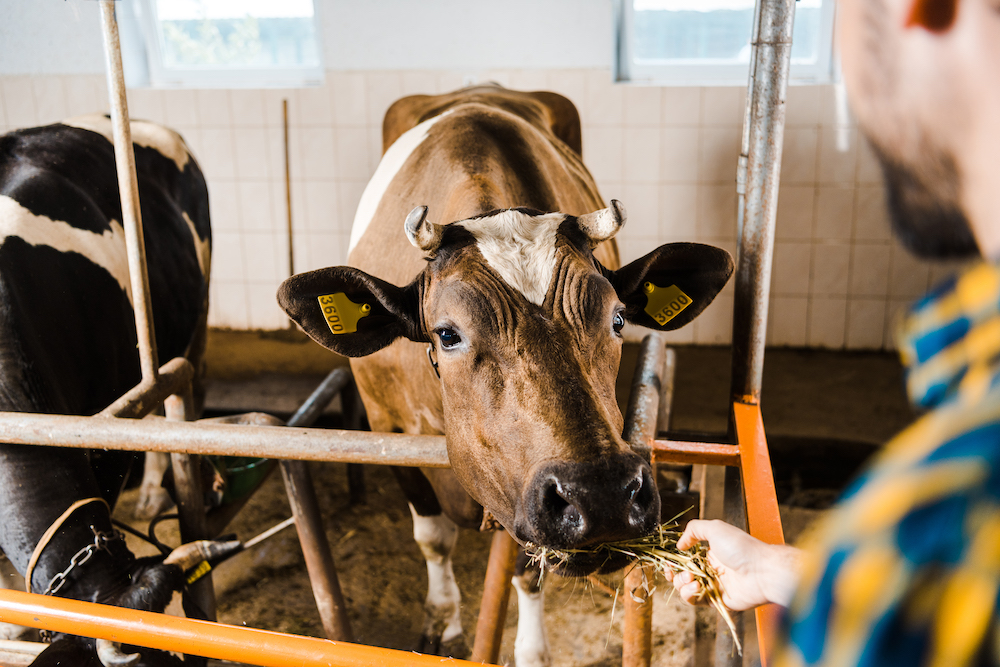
203,638
155,434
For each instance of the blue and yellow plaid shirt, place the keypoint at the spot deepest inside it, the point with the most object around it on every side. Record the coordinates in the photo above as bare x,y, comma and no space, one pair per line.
906,569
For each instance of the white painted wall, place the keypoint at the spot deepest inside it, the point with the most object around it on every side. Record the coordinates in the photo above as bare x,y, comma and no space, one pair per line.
669,154
64,36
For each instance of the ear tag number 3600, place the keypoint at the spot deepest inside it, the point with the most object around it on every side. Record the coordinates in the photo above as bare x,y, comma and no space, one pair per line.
342,314
664,303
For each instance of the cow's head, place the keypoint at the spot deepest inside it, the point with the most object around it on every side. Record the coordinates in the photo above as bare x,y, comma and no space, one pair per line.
526,327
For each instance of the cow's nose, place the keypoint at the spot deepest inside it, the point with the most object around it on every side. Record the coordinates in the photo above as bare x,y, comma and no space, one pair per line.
573,505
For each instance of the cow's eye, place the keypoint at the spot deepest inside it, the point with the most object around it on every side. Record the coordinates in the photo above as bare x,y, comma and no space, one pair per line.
618,322
449,338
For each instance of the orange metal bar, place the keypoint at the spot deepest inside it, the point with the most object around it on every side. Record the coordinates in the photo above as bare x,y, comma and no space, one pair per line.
212,640
709,453
763,519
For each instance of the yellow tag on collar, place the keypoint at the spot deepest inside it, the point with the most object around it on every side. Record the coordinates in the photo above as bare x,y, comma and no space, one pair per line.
664,303
199,572
342,314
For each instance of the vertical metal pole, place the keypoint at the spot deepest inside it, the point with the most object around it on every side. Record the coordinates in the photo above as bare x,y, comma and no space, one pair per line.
764,138
309,523
128,186
288,190
190,505
316,549
641,419
496,596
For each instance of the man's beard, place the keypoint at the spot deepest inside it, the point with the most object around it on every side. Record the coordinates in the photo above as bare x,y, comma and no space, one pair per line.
923,205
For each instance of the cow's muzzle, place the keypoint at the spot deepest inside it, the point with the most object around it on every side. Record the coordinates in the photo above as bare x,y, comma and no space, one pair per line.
582,505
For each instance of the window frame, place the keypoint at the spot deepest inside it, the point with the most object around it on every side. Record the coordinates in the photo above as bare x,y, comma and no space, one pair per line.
157,75
708,73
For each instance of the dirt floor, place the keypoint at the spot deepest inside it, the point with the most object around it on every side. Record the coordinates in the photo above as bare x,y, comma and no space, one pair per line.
813,403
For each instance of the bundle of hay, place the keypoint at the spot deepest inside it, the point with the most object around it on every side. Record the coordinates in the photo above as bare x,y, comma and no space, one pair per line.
659,551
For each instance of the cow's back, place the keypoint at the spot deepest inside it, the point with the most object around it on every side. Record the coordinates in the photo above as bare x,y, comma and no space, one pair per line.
461,155
68,335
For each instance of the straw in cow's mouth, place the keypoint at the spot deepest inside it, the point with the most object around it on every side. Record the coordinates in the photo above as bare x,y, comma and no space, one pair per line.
658,550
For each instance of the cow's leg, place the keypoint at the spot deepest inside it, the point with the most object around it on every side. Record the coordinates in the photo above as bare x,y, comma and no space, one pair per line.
436,536
153,498
531,647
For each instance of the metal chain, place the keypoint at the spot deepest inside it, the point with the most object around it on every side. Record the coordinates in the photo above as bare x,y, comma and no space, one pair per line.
100,543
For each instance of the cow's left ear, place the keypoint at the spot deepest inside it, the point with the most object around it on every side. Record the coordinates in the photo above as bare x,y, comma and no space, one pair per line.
670,286
351,312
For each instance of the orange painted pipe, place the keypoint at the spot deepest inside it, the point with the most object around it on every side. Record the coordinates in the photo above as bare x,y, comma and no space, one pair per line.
211,640
709,453
763,519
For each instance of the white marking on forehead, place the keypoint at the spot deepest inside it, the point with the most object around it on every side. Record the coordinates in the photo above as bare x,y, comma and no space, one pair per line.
107,250
388,167
166,141
520,247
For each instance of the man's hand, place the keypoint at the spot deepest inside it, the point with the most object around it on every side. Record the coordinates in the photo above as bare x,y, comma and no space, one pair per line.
751,572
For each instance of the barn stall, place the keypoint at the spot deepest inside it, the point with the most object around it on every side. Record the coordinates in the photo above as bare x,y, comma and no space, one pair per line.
667,151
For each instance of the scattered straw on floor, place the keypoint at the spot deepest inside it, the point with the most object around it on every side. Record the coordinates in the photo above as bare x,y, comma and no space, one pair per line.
658,550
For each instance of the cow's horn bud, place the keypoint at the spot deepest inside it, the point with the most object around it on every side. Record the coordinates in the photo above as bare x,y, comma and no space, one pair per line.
604,224
423,233
188,555
110,654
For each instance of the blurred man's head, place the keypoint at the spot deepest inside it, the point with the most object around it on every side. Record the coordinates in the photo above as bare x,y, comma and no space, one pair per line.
924,79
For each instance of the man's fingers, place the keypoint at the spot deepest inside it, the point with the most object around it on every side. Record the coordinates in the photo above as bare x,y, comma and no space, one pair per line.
696,531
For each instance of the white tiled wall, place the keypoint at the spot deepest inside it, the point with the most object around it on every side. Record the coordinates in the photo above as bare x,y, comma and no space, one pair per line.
668,153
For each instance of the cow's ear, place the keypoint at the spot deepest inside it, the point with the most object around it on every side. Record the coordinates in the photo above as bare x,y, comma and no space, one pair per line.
350,312
670,286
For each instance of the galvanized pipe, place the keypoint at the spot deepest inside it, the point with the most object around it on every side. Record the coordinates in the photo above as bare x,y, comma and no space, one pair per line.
756,243
129,189
313,407
309,524
282,442
212,640
190,507
640,429
173,378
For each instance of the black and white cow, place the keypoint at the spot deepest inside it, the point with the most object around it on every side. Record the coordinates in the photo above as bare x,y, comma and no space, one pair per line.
68,343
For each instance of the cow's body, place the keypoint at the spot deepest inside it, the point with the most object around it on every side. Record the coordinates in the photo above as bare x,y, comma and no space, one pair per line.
67,333
516,293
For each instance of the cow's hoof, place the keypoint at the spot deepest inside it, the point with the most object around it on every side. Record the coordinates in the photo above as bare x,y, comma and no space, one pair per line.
429,644
455,648
152,501
449,648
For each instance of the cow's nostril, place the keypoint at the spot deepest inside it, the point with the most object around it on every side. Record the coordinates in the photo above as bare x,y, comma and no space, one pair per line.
564,514
633,487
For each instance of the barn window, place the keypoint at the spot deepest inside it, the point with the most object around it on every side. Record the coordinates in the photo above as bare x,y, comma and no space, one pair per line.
220,43
699,42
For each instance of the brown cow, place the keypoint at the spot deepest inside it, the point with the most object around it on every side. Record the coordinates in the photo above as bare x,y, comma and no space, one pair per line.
519,303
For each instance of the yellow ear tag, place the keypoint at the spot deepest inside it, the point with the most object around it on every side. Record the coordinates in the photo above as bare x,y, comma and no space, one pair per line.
342,314
664,303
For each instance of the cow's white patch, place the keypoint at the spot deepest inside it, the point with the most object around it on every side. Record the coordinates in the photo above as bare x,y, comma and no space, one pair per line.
531,647
436,536
107,250
388,167
203,249
520,247
166,141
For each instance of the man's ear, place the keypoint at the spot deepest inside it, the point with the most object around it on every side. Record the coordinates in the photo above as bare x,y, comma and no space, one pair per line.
350,312
670,286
